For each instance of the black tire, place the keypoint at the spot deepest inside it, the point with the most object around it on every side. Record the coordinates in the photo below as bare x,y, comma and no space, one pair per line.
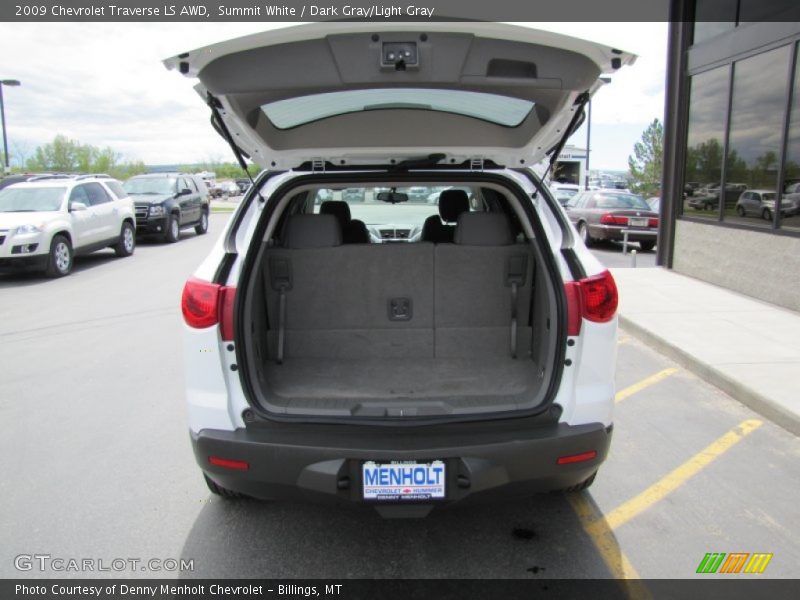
173,232
740,210
59,262
220,491
588,240
202,226
583,485
127,241
647,246
766,214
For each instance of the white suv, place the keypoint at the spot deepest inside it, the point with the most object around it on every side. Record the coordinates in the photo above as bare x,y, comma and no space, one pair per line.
46,221
371,351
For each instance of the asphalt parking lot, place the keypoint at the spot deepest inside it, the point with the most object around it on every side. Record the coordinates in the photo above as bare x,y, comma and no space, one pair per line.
97,462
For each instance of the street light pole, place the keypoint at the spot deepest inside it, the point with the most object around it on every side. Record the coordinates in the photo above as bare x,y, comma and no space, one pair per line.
8,82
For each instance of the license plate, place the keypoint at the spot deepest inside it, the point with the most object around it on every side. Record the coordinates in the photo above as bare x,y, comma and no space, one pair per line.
403,481
637,222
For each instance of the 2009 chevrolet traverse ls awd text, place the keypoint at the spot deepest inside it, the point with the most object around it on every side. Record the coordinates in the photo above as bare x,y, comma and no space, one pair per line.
373,352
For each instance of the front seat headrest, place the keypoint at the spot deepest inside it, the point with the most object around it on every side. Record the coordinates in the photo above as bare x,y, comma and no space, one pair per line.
312,231
451,204
338,208
483,229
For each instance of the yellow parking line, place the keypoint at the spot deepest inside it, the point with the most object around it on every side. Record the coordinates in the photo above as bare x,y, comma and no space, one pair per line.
671,482
644,383
603,539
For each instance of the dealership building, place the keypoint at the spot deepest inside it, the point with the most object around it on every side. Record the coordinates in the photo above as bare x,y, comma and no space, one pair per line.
731,189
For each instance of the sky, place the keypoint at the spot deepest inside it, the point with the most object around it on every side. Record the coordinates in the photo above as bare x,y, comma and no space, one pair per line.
104,84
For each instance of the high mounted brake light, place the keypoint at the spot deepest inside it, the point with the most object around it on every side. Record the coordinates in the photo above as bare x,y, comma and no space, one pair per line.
594,298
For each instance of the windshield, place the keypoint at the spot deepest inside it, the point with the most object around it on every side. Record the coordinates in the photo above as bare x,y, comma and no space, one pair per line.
621,201
31,199
151,185
502,110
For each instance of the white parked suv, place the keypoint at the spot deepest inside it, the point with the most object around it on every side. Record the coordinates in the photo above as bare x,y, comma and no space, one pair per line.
45,222
379,351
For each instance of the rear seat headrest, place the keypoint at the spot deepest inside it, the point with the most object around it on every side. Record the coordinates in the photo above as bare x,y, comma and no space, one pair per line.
452,203
338,208
483,229
312,231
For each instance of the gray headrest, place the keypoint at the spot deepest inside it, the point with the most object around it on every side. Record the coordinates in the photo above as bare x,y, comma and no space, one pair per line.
483,229
452,203
312,231
339,208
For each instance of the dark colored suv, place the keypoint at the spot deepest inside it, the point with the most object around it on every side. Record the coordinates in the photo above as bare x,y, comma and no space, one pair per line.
168,202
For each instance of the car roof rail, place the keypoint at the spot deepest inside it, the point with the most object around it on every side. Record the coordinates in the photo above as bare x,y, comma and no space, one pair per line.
52,176
93,176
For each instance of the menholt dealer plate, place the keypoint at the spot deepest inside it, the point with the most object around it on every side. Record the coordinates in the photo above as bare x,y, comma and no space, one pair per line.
403,481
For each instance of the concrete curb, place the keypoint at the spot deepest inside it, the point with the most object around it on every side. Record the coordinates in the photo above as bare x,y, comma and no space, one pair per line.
754,400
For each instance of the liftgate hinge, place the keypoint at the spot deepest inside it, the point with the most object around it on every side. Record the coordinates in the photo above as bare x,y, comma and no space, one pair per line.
317,165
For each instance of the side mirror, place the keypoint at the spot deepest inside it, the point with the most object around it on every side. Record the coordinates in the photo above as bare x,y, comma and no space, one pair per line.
184,192
76,206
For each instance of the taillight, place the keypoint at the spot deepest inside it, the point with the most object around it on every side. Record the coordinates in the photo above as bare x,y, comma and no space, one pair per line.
652,222
609,219
594,298
205,304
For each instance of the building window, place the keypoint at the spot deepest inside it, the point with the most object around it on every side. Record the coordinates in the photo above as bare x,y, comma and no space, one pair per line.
705,142
791,182
713,17
754,142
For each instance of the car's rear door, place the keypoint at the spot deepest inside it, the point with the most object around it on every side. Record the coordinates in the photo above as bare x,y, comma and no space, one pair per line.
361,93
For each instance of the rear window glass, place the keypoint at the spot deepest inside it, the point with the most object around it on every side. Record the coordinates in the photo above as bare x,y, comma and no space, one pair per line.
502,110
621,201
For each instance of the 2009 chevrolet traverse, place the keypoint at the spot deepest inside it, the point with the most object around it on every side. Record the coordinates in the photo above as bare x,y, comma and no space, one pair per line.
387,351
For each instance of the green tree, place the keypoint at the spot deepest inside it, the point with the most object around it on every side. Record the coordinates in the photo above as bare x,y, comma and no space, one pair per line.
69,156
647,161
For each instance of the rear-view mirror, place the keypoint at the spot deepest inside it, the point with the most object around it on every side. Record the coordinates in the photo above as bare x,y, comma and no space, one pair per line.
393,197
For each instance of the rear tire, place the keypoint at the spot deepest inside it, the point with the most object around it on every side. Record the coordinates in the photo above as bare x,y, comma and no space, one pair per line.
740,210
127,241
173,232
647,246
59,262
220,491
583,485
588,240
202,226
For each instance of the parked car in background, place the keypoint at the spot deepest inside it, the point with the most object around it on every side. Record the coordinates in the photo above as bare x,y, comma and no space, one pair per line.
607,214
761,203
244,184
389,372
654,203
353,195
707,198
46,222
230,189
166,203
563,192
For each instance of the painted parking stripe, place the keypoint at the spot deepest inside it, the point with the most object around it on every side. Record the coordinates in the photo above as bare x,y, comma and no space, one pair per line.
606,543
644,383
675,479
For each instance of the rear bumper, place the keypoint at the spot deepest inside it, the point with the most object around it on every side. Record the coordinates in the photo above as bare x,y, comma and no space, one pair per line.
485,461
609,232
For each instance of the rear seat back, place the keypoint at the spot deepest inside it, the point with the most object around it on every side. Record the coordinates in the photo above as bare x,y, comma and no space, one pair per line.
351,301
473,293
397,300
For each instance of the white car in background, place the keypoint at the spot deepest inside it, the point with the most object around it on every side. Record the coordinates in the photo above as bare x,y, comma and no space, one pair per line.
399,372
46,222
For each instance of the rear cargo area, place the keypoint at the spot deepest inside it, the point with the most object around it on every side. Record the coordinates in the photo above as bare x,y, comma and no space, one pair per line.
398,329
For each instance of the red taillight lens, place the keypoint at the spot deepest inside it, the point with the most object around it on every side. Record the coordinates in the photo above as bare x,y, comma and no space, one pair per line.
205,304
574,458
227,295
238,465
593,298
652,222
609,219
